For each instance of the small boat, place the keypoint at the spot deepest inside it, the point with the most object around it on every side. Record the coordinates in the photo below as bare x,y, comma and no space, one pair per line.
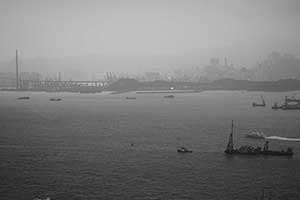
24,98
169,96
184,150
55,99
276,106
263,104
255,135
130,97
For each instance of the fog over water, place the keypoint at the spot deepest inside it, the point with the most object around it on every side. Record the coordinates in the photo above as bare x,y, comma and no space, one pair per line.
100,146
135,35
134,99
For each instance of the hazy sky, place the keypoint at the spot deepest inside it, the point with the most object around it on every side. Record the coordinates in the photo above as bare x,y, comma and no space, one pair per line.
243,30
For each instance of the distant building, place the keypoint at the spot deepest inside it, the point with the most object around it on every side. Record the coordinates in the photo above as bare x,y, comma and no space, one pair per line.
277,66
7,80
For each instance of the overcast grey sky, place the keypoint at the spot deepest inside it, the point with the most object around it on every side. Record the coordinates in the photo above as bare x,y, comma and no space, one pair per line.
243,30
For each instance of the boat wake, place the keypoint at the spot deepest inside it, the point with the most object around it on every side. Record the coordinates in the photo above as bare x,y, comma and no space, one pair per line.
261,135
282,138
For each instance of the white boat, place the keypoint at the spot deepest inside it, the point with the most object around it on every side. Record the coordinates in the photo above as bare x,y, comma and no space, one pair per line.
256,135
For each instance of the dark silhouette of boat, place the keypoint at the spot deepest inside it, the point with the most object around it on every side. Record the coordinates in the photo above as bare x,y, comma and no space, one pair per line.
249,150
276,106
55,99
169,96
289,104
130,97
184,150
181,147
24,98
292,99
263,104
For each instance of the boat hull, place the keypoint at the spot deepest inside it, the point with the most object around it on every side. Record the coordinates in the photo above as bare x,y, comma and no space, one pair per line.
184,151
266,153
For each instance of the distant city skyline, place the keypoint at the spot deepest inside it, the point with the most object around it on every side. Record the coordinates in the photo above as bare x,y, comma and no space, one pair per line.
183,32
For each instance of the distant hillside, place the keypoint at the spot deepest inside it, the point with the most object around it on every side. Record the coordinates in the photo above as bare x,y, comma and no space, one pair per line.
125,85
231,84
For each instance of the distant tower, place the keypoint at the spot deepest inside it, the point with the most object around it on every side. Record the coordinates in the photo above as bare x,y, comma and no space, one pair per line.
225,61
17,70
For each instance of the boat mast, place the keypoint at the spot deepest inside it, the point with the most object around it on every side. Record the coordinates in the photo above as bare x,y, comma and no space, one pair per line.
230,142
17,70
262,99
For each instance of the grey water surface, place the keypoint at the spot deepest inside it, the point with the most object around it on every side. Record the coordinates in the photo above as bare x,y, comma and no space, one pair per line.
102,146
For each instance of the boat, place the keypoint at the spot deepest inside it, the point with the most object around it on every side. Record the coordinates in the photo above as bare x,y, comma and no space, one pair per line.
249,150
184,150
290,106
255,135
130,97
287,106
169,96
292,99
24,98
181,147
276,106
263,104
55,99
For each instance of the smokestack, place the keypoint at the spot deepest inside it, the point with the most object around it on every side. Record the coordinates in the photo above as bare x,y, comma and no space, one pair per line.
17,71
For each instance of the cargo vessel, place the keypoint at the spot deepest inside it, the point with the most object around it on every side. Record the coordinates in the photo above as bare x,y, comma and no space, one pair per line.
289,104
249,150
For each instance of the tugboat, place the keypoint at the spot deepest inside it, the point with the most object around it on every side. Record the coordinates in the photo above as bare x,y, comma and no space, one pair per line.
263,104
184,150
181,148
249,150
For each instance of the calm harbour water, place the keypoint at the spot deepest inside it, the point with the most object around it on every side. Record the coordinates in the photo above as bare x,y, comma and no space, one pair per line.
101,146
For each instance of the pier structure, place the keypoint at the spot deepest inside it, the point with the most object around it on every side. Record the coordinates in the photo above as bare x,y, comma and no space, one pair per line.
64,86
